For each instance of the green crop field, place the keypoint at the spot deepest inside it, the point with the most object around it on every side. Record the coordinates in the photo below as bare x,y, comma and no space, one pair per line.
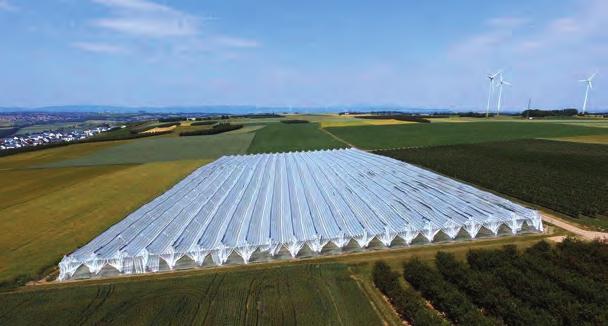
324,294
281,137
164,149
434,134
571,178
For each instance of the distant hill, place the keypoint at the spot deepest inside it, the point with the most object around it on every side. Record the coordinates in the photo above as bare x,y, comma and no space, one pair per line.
227,109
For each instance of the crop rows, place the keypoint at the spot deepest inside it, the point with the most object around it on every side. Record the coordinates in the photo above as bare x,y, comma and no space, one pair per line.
290,295
567,177
542,285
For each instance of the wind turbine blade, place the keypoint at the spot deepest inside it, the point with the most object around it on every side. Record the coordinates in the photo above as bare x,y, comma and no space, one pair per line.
582,80
590,85
591,78
506,83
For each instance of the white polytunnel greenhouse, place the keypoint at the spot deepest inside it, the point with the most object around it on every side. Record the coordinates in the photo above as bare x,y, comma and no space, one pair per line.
246,208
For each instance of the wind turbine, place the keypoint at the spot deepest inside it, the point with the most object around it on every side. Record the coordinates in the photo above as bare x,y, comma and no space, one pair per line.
589,86
491,90
501,82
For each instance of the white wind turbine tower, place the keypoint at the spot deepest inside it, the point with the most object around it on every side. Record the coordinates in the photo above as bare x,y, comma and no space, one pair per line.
501,82
589,86
491,90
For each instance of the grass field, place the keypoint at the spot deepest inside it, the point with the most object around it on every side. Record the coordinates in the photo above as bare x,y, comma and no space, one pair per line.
46,213
323,294
570,178
281,137
164,149
434,134
40,157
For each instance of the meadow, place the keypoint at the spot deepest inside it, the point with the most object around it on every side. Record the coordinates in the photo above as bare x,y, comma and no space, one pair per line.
567,177
313,294
281,137
435,134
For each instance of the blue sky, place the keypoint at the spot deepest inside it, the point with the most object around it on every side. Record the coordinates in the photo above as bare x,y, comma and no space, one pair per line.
432,53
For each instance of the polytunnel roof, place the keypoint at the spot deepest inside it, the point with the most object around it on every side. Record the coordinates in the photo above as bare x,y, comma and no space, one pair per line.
299,197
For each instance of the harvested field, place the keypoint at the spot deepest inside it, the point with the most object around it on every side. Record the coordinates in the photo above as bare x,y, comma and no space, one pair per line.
159,129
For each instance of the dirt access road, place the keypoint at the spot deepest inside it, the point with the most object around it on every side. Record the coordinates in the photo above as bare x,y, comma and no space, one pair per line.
589,235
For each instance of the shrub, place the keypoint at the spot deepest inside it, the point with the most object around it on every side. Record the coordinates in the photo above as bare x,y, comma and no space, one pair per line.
488,293
533,288
443,295
294,121
408,303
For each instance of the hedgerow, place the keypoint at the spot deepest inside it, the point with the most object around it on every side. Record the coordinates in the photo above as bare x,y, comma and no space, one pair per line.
217,129
400,117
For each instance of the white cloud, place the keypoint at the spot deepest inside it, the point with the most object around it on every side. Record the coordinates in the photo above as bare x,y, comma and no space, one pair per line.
100,47
543,57
166,31
236,42
147,19
7,6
